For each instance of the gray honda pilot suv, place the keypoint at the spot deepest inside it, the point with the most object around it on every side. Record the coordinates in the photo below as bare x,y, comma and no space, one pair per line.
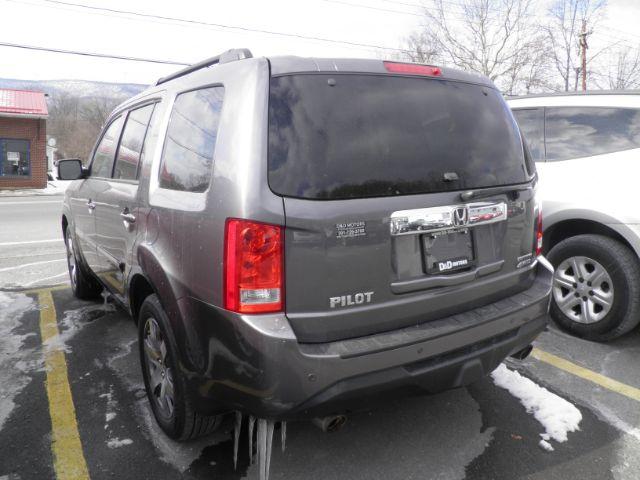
296,237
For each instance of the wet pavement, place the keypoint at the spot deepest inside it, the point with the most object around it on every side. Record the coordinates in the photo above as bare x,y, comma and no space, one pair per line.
31,247
479,432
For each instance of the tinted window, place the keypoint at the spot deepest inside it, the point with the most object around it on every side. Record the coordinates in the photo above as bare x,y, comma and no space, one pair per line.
585,131
131,143
191,140
347,136
106,151
531,122
14,158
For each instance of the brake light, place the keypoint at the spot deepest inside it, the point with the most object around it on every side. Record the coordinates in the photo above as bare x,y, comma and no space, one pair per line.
539,231
253,267
413,69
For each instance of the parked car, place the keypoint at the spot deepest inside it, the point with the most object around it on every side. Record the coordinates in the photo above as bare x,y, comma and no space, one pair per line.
299,237
587,148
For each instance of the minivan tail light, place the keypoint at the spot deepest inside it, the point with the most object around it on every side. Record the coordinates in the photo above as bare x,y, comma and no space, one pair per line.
253,267
539,230
413,69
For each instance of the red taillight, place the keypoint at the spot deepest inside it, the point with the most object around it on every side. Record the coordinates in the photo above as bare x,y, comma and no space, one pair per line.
413,69
253,267
539,231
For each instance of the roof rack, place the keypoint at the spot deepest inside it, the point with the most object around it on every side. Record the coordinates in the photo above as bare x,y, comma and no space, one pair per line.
225,57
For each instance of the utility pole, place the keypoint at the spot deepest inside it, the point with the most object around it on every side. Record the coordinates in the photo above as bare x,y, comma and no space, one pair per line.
583,53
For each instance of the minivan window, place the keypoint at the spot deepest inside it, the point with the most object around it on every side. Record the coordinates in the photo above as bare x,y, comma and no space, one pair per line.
353,135
531,123
191,139
131,143
106,150
574,132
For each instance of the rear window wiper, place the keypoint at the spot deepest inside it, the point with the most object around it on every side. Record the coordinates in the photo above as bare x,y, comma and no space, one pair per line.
512,190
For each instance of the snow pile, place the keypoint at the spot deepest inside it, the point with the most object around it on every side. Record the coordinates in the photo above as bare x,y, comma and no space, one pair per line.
15,362
556,415
56,187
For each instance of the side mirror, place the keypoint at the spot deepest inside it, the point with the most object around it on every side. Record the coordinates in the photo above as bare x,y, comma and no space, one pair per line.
70,169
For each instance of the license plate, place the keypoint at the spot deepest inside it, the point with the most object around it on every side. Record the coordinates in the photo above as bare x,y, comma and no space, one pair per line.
446,252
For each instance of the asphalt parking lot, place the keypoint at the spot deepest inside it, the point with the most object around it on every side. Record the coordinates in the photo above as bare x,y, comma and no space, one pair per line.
72,405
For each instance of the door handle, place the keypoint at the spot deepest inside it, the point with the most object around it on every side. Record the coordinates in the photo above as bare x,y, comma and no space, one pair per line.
127,217
90,205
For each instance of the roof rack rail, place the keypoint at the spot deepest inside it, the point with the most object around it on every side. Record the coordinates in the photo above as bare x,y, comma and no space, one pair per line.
225,57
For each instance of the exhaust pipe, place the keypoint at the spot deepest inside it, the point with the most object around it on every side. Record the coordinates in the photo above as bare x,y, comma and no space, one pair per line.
522,354
330,424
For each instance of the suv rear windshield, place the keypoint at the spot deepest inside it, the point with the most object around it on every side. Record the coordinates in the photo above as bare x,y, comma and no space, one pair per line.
350,136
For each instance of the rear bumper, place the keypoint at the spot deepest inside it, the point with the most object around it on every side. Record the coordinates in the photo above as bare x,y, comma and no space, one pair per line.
256,365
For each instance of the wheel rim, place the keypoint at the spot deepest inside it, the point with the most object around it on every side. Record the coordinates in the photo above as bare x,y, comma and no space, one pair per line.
583,290
71,262
158,372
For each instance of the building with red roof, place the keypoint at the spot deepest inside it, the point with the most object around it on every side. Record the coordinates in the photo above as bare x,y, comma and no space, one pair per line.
23,133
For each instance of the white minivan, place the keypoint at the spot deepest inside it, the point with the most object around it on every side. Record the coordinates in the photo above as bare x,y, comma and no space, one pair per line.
587,153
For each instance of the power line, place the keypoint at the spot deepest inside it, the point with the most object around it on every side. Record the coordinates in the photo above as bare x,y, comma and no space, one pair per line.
91,54
220,25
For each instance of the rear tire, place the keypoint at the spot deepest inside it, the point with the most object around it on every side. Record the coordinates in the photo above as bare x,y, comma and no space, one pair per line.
163,379
83,284
596,287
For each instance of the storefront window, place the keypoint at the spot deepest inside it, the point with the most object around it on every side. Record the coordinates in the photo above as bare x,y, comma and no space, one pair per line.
14,158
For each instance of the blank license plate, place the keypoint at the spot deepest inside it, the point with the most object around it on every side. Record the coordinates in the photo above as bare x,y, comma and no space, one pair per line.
448,251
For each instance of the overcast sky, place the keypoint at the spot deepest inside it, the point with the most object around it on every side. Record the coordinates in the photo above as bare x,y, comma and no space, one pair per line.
372,22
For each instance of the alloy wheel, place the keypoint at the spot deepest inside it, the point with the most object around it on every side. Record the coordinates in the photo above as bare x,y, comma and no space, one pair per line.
71,262
583,289
159,373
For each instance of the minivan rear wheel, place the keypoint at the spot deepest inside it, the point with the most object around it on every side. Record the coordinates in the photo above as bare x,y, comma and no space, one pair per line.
596,287
163,380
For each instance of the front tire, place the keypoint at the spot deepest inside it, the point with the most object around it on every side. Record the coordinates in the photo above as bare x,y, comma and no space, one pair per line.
83,285
596,287
163,380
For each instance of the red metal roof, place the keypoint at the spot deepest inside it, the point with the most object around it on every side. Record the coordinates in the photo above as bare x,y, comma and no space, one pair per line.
22,103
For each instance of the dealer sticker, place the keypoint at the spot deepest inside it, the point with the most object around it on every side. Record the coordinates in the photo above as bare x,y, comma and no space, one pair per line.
351,229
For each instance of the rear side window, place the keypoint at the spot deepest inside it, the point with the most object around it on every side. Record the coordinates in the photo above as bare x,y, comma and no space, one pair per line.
106,150
131,143
191,139
574,132
531,123
349,136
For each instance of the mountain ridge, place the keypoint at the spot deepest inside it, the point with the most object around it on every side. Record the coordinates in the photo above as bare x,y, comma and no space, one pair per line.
79,88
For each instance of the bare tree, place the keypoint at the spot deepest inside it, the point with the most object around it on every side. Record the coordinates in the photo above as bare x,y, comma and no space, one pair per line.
566,20
96,110
497,38
76,122
623,70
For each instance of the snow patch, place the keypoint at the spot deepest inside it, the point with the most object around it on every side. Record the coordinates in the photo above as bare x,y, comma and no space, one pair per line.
546,446
72,323
557,415
117,443
15,362
112,404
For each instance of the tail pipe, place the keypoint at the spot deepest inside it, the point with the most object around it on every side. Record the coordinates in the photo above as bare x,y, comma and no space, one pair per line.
329,424
522,354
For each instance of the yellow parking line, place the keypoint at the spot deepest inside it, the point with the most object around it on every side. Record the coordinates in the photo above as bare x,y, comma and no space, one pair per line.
54,288
68,458
585,373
